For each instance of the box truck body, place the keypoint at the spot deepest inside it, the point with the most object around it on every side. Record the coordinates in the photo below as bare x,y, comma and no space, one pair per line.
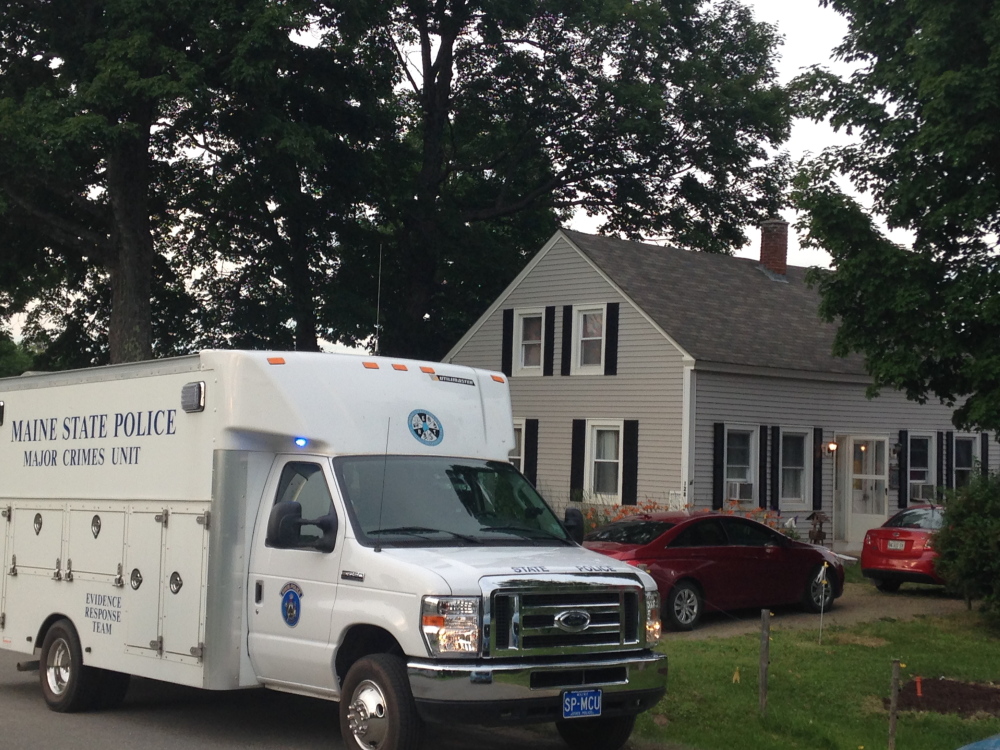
236,519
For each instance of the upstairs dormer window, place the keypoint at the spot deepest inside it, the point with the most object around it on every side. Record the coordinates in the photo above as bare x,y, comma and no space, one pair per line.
529,333
589,340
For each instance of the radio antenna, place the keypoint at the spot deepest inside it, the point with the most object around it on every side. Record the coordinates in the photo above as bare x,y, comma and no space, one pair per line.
378,299
381,497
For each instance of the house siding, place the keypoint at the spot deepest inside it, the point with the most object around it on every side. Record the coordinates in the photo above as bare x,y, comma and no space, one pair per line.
837,408
648,386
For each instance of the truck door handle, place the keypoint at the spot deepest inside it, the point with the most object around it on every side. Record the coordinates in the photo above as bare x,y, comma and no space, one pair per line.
258,592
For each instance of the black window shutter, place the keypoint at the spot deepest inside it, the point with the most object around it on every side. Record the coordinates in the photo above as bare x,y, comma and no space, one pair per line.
940,478
550,340
507,353
530,467
775,468
611,340
904,469
949,460
630,462
577,453
567,340
718,465
817,468
762,464
984,453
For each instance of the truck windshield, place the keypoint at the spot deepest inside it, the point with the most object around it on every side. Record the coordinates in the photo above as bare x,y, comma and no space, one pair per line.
416,501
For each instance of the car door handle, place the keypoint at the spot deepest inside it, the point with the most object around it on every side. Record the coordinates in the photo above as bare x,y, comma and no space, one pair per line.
258,592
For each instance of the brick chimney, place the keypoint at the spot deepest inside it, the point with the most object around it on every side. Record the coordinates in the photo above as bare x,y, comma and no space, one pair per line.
774,245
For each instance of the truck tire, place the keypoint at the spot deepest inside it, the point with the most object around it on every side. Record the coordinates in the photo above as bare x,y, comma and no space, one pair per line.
377,711
604,733
67,685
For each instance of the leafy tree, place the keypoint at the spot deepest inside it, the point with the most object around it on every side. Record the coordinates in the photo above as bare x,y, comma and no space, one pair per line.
656,115
968,545
14,358
923,105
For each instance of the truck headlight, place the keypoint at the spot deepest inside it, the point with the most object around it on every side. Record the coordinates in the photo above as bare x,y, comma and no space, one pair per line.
653,625
451,624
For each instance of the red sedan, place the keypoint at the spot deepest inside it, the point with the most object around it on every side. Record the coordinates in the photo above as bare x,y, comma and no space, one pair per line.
716,561
899,551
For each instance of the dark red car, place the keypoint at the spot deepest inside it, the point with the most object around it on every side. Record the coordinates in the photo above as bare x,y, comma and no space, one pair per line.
900,551
716,561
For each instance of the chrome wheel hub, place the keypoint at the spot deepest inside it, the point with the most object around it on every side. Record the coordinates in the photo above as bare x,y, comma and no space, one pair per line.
58,667
367,716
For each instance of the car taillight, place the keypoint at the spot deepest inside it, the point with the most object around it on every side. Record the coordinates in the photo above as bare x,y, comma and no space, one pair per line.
868,540
927,543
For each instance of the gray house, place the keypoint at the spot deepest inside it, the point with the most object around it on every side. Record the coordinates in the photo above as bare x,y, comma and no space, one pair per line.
645,372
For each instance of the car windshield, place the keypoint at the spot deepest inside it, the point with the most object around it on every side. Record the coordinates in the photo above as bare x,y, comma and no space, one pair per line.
436,500
917,518
630,532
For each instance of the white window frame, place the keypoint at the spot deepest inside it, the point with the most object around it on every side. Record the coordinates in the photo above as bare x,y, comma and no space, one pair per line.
520,369
752,469
518,429
590,457
576,368
805,502
931,480
976,458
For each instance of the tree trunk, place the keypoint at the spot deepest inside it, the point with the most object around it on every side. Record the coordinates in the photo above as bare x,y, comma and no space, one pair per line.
130,330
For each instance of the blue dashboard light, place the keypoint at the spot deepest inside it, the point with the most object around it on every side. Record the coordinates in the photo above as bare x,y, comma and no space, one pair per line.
301,442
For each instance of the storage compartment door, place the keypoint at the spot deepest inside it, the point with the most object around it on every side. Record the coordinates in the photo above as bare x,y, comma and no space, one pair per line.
37,539
96,542
142,579
183,608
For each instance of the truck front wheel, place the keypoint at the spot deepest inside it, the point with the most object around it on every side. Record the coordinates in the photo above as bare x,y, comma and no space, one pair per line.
606,733
377,711
67,684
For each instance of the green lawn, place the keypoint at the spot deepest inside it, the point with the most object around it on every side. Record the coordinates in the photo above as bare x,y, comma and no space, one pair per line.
821,696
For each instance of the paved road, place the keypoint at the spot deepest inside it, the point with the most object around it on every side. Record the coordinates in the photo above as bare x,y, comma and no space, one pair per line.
158,716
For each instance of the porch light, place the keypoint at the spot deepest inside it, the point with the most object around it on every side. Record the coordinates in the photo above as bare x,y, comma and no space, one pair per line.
830,448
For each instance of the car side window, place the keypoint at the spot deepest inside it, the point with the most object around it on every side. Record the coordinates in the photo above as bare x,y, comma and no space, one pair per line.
707,533
744,534
304,483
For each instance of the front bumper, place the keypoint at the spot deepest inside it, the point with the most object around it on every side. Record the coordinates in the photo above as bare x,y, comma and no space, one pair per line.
493,692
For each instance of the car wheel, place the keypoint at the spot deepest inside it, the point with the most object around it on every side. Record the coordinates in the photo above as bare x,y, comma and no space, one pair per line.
888,587
67,685
598,733
377,711
818,596
684,606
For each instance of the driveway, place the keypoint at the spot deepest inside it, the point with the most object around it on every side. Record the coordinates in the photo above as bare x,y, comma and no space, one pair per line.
861,602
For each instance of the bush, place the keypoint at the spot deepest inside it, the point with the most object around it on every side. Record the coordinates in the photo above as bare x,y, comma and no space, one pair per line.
968,545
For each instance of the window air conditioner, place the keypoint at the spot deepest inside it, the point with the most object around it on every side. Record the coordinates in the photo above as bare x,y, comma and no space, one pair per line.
739,491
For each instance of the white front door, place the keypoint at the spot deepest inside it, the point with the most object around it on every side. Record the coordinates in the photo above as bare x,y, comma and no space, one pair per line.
867,486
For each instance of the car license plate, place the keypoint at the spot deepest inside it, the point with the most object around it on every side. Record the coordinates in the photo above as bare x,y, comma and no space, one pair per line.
577,703
896,544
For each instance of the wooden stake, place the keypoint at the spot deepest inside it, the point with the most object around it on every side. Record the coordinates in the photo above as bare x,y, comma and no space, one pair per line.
765,657
893,704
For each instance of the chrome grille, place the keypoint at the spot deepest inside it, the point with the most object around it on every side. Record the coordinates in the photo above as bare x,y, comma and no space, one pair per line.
544,617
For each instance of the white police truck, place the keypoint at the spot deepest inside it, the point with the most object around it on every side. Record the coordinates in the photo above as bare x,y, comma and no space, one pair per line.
330,525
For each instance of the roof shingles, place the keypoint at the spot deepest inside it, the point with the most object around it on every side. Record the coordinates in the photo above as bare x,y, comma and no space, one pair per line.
722,309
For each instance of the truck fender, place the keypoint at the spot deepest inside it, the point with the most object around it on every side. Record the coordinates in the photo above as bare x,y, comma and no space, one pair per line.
359,641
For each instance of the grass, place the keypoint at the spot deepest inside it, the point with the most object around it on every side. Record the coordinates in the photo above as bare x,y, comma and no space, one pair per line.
820,697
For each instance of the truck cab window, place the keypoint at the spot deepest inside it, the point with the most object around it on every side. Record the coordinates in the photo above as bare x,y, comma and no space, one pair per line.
304,483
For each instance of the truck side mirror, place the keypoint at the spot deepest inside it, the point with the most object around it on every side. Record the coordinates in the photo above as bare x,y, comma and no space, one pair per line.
328,524
574,524
283,525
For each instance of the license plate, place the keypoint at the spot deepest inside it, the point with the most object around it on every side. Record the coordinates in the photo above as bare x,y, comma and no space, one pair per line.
577,703
896,545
